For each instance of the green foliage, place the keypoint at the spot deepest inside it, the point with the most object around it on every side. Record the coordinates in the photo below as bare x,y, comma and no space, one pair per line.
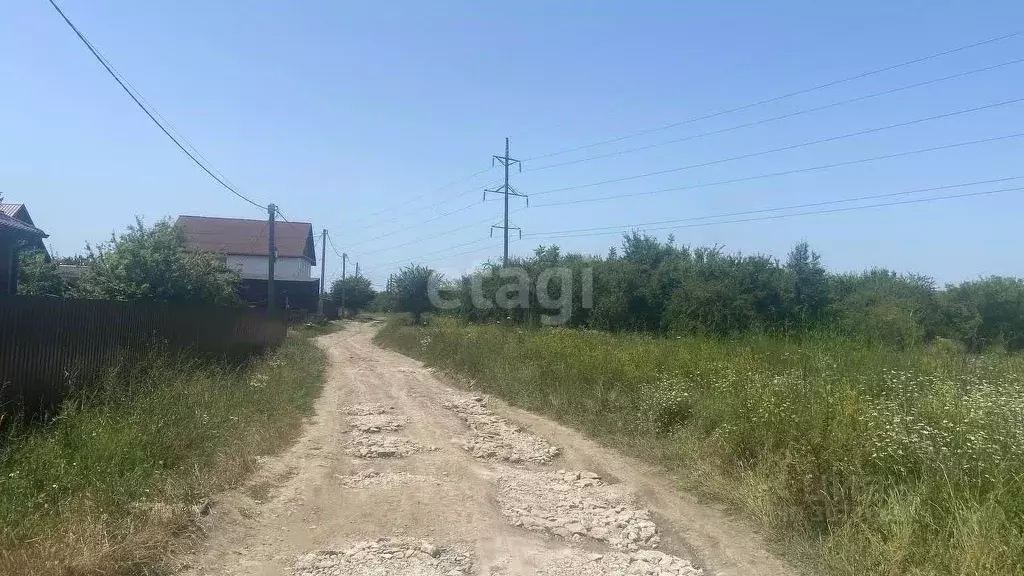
37,277
884,461
984,313
884,306
651,286
108,485
358,290
382,302
154,263
810,284
408,290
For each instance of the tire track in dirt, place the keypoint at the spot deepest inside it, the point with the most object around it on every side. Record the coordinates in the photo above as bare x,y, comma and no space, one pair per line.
401,474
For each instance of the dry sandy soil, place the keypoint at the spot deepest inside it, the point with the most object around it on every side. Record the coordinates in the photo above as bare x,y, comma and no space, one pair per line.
399,473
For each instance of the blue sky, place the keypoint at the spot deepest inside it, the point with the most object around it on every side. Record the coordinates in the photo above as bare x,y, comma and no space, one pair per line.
338,110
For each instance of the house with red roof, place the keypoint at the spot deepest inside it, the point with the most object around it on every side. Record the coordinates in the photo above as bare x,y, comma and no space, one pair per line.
244,245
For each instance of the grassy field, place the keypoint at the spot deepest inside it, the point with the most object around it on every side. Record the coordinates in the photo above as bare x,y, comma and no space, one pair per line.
112,485
857,459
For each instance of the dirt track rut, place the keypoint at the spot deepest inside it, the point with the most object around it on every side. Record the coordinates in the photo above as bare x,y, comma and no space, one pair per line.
399,473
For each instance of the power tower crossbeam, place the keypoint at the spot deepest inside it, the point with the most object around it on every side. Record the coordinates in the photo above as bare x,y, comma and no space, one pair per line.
506,190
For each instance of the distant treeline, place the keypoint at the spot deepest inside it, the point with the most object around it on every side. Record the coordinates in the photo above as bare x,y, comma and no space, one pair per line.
653,286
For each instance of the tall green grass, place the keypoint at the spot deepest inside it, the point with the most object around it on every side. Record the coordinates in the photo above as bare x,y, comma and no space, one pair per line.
106,487
866,460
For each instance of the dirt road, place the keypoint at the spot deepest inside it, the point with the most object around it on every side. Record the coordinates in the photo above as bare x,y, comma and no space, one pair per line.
400,473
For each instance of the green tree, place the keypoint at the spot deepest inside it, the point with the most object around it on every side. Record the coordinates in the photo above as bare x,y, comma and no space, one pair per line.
810,286
985,312
154,263
37,277
359,293
409,290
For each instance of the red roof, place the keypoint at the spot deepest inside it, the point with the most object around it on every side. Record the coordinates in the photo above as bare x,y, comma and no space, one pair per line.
248,237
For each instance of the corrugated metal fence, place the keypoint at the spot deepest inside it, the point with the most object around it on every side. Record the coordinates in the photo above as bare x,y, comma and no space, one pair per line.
50,344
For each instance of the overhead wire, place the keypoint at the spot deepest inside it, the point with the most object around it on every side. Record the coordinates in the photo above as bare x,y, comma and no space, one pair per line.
416,225
745,125
431,236
151,114
783,148
713,184
779,98
777,118
717,183
784,172
423,195
423,222
618,228
442,250
421,209
809,213
333,247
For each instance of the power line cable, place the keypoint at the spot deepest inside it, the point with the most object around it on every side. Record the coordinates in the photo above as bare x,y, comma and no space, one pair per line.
718,183
782,97
785,148
562,234
785,172
442,250
421,239
137,99
425,194
417,224
619,228
164,120
420,210
333,247
810,213
777,118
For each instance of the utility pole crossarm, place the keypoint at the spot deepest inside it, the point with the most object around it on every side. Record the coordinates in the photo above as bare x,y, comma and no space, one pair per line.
506,190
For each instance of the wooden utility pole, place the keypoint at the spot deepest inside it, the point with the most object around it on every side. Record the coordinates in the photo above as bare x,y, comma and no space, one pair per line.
506,190
271,256
323,268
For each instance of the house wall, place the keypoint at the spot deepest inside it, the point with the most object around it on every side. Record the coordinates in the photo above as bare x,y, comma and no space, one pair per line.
288,294
255,267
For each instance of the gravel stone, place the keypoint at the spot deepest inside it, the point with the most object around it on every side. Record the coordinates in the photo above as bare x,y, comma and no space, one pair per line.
496,438
386,557
374,479
647,562
576,505
368,409
381,446
374,423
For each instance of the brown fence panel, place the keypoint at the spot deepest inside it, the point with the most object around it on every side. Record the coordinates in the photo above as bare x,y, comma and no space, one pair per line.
50,344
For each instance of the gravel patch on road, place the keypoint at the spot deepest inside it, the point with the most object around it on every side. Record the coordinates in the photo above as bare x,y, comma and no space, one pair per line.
575,505
373,423
386,557
368,409
617,563
496,438
381,446
374,479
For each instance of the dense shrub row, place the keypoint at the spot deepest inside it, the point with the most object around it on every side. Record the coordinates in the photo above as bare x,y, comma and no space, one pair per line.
654,286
